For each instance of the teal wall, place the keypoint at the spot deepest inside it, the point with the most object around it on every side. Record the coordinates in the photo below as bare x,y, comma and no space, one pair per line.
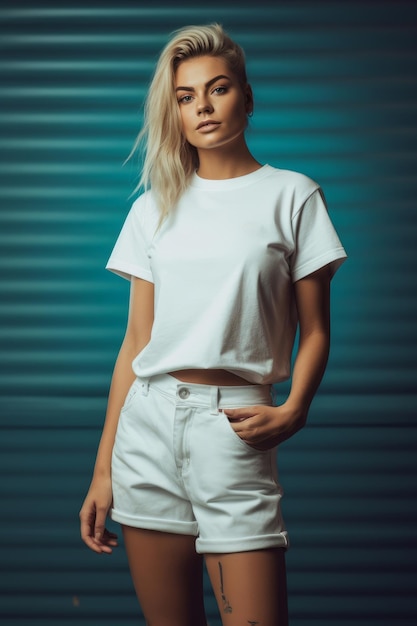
335,92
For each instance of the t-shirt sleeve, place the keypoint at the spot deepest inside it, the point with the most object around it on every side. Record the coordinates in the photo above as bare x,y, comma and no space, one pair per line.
316,241
129,256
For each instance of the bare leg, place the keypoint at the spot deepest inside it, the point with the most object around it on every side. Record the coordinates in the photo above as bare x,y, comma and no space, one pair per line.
250,587
167,576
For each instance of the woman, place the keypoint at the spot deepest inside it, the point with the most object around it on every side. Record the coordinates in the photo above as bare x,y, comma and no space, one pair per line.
224,256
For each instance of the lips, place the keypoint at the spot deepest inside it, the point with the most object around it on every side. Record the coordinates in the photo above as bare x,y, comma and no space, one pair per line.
207,123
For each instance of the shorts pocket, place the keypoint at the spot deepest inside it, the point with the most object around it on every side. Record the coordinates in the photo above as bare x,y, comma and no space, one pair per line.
239,440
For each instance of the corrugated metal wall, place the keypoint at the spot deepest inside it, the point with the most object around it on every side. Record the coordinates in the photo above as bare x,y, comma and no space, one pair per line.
335,92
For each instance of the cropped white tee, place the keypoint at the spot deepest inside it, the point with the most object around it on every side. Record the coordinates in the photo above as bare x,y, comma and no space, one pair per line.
223,265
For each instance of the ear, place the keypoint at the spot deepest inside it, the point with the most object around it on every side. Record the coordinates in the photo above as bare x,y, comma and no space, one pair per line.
248,100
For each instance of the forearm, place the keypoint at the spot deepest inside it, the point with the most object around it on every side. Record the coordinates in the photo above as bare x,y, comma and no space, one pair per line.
309,367
138,332
122,379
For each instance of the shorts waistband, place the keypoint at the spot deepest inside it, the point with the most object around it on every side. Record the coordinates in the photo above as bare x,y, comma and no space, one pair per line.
213,396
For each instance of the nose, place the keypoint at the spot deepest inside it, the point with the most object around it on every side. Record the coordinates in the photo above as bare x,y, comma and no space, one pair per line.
204,107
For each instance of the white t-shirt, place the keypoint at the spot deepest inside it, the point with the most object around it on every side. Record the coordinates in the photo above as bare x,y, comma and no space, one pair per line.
223,265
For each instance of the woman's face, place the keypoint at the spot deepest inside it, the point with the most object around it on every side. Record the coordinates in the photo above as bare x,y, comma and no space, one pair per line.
212,103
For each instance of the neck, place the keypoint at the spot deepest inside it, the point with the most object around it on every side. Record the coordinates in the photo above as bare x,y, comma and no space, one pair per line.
222,164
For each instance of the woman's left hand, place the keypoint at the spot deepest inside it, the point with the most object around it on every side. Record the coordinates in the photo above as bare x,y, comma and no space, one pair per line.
264,427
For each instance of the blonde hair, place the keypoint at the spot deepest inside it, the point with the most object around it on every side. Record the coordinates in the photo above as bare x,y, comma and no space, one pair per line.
169,159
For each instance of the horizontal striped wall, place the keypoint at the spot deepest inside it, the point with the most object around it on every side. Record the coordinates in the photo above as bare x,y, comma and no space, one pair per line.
335,98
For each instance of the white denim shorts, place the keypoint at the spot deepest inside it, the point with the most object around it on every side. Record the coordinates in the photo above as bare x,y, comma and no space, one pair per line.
179,467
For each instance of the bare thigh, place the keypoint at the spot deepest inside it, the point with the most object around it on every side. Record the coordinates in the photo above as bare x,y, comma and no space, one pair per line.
167,576
250,587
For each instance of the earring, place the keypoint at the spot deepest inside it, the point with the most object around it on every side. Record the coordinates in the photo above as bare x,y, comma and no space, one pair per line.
250,114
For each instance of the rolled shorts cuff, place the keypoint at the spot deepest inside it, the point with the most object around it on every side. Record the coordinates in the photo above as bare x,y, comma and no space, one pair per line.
150,523
242,544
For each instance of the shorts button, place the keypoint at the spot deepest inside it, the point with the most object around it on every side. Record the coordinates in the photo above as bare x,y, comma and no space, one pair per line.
183,393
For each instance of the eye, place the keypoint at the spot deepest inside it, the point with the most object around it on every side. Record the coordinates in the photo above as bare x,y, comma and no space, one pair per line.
185,99
220,90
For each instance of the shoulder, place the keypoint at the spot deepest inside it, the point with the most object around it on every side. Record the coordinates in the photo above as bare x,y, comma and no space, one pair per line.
291,182
144,213
289,191
144,205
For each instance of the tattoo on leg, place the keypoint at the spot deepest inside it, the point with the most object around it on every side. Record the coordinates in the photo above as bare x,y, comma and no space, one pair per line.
226,606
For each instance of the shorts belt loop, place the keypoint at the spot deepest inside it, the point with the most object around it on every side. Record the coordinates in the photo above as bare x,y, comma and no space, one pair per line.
144,387
214,400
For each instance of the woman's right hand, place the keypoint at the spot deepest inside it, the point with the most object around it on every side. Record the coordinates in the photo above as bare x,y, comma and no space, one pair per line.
93,516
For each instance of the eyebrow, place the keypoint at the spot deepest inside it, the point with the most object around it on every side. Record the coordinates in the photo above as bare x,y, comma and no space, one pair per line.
208,84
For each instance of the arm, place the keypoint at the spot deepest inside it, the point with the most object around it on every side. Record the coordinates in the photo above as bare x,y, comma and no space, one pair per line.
99,497
264,427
